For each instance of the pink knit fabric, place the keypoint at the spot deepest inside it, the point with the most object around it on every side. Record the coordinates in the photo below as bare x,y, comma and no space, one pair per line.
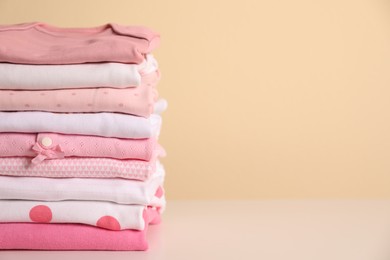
34,236
136,101
21,145
39,43
81,167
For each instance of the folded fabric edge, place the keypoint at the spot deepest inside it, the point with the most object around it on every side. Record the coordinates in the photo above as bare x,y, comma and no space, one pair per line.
32,236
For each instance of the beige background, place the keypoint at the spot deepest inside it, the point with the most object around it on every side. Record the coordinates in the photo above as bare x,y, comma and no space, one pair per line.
268,99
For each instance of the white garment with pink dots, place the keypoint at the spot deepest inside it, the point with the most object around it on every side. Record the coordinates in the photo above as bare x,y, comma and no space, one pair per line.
100,214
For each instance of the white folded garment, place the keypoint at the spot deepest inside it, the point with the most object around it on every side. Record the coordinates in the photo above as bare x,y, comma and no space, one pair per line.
92,75
99,124
160,106
101,214
147,193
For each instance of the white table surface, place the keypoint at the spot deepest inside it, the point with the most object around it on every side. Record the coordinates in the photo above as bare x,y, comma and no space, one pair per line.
270,230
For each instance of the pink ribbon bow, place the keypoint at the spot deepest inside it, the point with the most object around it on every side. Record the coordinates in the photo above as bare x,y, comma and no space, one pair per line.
54,152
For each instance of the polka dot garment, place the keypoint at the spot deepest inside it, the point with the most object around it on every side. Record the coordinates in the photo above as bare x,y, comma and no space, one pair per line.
68,236
40,214
135,101
101,214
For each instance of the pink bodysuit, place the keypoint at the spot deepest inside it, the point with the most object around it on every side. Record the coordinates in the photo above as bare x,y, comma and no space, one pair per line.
40,43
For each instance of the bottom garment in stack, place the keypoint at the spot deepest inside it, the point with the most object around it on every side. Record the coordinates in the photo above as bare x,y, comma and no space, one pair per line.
37,236
79,213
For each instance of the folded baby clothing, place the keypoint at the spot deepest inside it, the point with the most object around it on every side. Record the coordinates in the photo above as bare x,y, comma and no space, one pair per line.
79,167
122,191
62,146
99,124
80,120
40,43
137,101
89,75
106,215
68,236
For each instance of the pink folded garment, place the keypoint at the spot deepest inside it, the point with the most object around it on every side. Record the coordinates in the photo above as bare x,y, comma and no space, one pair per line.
81,167
137,101
46,146
39,43
33,236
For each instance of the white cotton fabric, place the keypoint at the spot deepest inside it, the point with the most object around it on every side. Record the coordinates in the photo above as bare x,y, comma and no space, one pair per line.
84,189
149,65
88,75
160,106
76,212
98,124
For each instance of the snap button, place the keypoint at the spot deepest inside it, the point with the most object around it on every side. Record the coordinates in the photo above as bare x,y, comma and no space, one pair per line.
46,141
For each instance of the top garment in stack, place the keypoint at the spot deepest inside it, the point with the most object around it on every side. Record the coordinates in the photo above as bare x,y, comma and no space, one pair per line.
79,127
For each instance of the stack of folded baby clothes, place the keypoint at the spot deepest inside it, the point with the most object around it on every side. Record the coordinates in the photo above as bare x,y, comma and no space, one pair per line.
79,122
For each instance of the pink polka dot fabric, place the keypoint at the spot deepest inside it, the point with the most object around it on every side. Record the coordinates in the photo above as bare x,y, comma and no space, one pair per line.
136,101
80,168
79,126
39,213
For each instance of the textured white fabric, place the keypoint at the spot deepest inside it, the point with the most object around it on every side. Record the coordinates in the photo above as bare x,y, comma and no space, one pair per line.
148,66
114,190
92,75
91,213
160,106
100,124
